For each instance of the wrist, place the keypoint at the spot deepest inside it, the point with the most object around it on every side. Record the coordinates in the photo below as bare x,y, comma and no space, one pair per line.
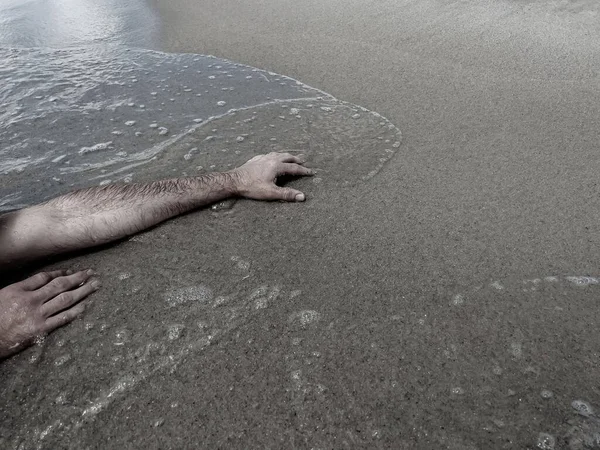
233,182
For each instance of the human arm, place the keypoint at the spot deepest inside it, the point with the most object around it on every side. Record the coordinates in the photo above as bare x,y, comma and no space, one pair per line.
99,215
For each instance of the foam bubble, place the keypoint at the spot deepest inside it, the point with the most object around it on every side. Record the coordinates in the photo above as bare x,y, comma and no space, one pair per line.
197,294
516,349
583,281
458,299
546,441
546,394
62,360
261,303
497,285
174,331
583,408
306,317
95,148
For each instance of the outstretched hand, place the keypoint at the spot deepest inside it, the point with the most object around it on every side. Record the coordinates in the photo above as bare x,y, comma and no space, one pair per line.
40,304
257,178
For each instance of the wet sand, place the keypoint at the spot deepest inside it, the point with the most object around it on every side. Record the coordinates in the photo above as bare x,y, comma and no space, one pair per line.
442,303
498,102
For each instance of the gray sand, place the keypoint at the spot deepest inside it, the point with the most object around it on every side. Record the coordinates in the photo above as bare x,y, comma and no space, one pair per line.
428,306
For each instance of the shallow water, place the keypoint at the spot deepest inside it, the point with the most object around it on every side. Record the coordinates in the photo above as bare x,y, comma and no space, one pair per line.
94,115
62,23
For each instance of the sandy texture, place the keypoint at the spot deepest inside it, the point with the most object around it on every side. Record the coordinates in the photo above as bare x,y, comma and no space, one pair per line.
429,306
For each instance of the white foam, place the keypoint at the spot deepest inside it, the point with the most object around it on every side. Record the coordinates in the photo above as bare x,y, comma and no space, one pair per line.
199,294
96,148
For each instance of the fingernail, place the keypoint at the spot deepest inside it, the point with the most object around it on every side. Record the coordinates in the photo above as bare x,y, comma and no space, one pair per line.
96,284
90,272
300,197
69,272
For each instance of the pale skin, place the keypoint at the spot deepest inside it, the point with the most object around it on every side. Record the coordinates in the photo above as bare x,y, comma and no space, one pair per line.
95,216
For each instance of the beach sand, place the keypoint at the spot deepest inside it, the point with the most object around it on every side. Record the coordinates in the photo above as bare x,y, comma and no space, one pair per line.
449,301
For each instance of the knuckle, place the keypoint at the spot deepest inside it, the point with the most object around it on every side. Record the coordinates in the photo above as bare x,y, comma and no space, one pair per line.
44,277
60,283
63,298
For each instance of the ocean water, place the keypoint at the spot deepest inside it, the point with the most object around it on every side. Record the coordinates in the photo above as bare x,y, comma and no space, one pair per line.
65,23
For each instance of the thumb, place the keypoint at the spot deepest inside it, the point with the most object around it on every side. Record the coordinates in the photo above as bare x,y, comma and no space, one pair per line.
288,194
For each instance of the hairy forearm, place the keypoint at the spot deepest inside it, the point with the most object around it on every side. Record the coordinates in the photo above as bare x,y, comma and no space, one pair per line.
100,215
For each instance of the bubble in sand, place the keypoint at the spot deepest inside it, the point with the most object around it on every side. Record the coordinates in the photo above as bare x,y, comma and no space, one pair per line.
163,131
95,148
583,408
457,391
546,441
158,423
583,281
240,139
153,125
261,303
62,360
199,294
516,349
458,299
221,103
220,300
124,276
356,116
497,285
306,317
546,394
326,108
294,111
130,123
174,331
243,265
